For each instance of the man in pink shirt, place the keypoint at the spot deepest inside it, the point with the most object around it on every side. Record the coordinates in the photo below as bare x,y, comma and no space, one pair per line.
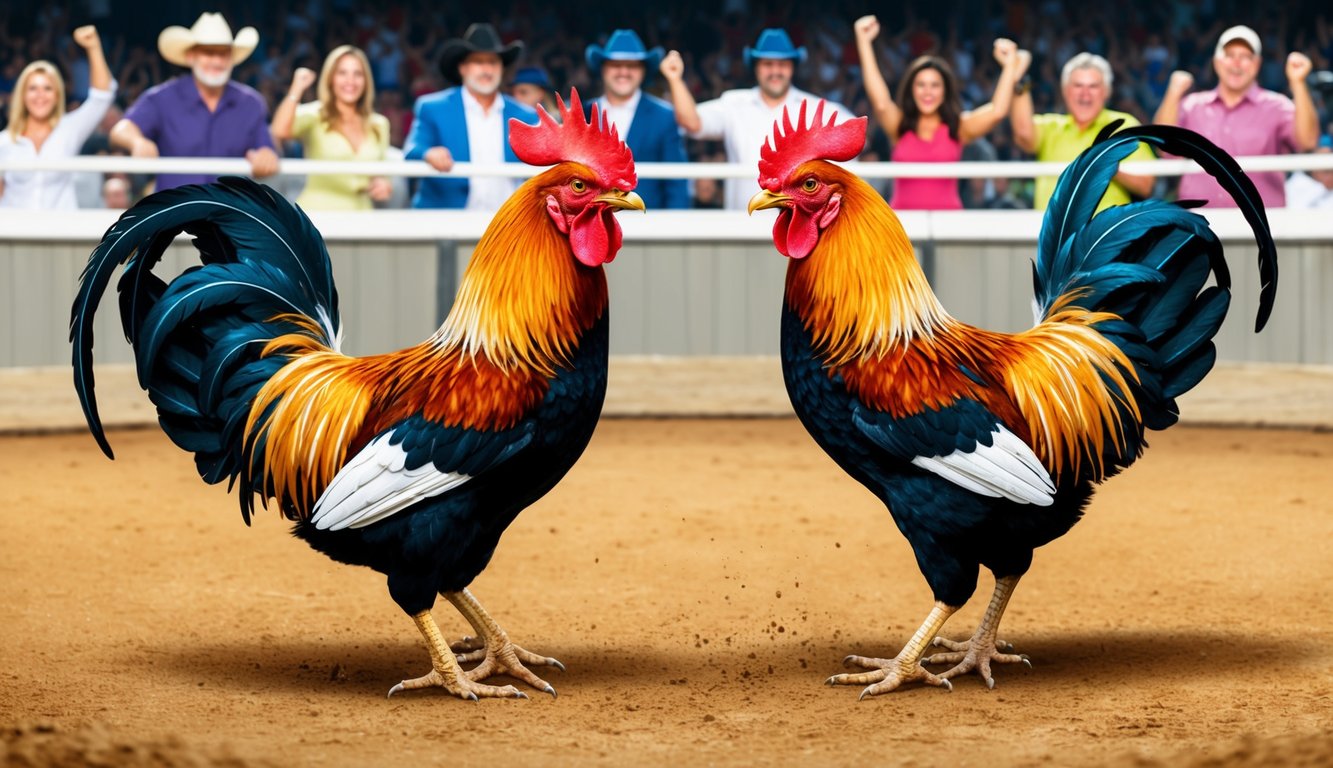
1241,117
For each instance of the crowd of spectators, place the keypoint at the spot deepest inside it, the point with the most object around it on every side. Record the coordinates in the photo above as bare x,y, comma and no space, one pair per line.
1144,41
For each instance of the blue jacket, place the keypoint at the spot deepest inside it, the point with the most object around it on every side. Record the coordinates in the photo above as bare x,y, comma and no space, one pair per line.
438,121
654,138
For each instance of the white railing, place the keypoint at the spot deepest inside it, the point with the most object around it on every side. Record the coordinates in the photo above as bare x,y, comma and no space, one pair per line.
417,168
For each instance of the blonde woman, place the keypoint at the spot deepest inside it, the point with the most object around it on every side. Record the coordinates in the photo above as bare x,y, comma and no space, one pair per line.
39,127
339,126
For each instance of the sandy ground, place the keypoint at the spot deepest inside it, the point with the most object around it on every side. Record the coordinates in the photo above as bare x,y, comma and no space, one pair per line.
700,579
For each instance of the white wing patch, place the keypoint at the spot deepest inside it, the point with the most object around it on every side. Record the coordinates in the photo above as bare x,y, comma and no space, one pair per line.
1007,468
376,484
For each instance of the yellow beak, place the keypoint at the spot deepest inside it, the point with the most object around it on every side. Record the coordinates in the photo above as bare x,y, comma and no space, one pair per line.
622,200
766,199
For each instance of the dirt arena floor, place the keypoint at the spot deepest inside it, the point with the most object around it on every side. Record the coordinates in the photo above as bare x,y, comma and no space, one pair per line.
700,579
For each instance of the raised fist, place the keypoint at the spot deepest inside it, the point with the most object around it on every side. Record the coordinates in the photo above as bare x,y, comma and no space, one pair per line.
302,79
673,66
1024,58
1180,82
867,28
1298,66
1005,50
87,38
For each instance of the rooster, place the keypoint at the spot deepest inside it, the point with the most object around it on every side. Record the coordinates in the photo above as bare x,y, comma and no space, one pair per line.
985,446
413,462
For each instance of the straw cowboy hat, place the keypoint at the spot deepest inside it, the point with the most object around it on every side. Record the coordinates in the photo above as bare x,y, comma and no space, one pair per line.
210,29
479,38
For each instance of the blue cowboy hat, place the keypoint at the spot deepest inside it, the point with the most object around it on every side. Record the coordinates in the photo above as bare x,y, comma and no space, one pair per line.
623,45
532,76
773,44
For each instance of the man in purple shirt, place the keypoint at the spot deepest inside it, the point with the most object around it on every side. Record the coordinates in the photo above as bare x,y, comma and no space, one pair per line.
1241,117
203,114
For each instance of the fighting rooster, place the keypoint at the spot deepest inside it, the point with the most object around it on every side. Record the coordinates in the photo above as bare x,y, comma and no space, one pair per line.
413,462
987,445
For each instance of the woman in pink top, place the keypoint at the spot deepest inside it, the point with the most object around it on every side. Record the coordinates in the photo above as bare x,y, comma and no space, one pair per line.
927,123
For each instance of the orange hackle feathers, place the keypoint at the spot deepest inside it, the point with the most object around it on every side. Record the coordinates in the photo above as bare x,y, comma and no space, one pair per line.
518,316
793,145
860,291
593,143
1061,386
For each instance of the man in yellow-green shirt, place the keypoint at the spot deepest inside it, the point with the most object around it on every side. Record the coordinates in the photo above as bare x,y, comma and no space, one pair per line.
1085,84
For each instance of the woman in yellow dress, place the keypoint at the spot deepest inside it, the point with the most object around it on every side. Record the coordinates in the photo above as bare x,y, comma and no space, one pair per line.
341,125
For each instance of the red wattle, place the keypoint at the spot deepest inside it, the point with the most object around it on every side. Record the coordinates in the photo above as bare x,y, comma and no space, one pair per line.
802,232
595,235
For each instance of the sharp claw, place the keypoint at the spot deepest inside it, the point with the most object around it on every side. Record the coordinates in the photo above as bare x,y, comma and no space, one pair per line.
948,686
520,695
1026,660
990,683
395,689
847,660
551,691
556,663
831,680
471,696
864,693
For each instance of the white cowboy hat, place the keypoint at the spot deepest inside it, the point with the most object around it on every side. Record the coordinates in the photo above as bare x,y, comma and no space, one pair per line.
210,29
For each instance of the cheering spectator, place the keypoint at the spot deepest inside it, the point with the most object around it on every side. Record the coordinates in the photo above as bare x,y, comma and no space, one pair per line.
39,127
204,113
1241,117
645,122
468,123
743,118
532,86
1085,84
927,123
339,126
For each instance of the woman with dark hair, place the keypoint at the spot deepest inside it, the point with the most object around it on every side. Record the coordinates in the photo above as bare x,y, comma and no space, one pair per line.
927,123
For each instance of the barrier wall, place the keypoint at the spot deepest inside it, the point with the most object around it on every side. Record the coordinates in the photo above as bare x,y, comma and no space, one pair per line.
687,283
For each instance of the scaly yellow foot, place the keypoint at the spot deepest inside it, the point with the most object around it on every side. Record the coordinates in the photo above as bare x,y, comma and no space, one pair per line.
977,654
445,672
888,674
497,654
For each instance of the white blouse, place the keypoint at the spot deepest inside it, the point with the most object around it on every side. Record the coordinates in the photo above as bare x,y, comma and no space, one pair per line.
52,189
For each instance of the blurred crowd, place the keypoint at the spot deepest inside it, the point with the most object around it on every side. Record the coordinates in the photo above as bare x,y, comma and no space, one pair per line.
1144,41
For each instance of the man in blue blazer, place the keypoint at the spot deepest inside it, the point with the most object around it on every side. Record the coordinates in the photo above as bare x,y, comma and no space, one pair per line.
468,123
646,123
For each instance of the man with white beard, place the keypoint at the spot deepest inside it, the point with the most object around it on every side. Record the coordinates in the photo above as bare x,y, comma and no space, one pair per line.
204,113
468,123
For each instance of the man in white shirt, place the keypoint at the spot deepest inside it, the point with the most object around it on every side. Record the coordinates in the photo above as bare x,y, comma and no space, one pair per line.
743,118
1313,189
468,123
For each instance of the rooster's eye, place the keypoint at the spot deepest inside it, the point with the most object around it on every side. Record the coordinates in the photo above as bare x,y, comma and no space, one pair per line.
810,185
578,186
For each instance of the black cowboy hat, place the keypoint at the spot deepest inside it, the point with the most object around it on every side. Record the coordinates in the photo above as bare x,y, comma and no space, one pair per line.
479,38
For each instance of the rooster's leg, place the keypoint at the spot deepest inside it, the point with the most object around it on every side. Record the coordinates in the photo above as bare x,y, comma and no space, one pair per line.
887,674
978,653
445,672
498,655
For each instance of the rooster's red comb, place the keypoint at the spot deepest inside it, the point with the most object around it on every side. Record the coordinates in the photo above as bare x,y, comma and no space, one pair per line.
814,140
593,143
